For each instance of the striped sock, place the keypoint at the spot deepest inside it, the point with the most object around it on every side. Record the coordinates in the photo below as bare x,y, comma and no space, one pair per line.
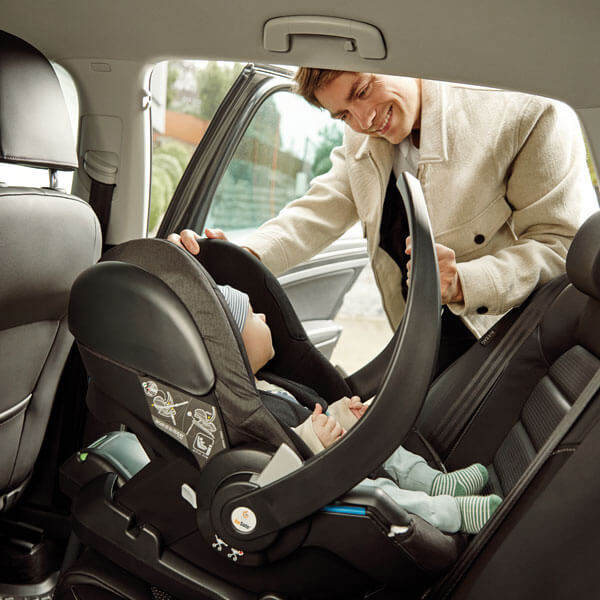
463,482
476,510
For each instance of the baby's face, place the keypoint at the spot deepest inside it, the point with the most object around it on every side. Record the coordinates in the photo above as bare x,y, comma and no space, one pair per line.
257,340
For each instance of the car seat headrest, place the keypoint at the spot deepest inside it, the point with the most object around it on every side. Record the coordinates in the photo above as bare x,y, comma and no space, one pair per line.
123,312
583,258
34,122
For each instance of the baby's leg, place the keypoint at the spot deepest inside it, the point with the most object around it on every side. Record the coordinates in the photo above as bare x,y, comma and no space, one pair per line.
411,472
468,514
442,512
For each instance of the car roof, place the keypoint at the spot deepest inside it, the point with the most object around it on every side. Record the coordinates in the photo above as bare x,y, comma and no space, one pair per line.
537,46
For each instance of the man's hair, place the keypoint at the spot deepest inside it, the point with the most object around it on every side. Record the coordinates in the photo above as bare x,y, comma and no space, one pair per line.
309,80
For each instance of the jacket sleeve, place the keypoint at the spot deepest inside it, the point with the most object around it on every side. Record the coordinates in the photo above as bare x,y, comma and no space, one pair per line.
550,192
307,434
309,224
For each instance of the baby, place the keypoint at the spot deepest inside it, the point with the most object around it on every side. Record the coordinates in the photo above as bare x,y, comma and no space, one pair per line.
446,500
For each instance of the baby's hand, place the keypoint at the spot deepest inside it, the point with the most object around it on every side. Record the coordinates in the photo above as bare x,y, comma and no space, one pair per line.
357,407
327,429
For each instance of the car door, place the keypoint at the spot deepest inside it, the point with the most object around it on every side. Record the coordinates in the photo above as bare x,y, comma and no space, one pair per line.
261,150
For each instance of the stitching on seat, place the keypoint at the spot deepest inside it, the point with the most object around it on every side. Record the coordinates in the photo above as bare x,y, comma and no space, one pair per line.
564,449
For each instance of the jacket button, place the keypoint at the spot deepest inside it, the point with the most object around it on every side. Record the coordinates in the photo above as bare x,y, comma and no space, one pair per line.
482,310
479,239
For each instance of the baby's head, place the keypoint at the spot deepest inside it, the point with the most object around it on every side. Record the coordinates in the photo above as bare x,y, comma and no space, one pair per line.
256,334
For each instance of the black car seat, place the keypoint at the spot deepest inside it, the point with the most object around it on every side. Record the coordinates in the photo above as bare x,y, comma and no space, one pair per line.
546,545
47,238
141,529
164,359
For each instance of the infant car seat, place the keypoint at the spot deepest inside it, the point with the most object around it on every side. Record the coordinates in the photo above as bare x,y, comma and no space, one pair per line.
231,503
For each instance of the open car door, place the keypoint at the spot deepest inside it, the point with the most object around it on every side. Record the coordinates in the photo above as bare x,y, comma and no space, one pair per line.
262,148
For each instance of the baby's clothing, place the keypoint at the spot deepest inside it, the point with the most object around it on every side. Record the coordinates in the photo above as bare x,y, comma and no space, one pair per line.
411,476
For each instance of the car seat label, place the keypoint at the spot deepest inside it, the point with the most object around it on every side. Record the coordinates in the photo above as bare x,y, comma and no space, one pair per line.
192,422
243,519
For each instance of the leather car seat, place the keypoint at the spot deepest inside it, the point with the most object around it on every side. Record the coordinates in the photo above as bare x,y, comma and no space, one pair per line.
47,238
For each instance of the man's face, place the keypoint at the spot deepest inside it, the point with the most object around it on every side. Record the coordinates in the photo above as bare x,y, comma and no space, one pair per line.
378,105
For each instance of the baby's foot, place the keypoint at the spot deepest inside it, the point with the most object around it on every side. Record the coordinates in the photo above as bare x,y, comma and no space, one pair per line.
476,510
464,482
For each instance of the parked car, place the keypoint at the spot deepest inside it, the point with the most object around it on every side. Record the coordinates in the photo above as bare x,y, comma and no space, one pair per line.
91,511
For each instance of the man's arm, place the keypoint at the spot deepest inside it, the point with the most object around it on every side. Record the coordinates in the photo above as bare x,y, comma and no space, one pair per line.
302,229
550,192
309,224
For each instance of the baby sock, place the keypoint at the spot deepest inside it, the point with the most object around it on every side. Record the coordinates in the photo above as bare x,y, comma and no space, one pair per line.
463,482
476,510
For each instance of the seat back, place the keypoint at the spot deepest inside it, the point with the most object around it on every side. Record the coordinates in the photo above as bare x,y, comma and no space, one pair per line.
47,238
545,547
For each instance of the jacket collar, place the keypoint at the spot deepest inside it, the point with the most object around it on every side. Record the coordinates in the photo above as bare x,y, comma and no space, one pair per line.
434,143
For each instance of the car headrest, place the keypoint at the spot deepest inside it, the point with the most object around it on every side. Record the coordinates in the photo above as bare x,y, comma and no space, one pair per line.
34,122
583,258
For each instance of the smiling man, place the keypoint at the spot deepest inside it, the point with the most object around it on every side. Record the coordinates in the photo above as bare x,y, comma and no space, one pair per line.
504,176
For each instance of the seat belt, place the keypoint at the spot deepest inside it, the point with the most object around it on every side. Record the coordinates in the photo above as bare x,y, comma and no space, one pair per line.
447,585
466,403
101,168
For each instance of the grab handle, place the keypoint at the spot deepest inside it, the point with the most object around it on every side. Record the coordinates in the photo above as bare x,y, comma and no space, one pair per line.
364,38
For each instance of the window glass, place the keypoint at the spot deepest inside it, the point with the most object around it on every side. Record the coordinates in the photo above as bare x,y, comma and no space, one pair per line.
186,95
287,144
19,175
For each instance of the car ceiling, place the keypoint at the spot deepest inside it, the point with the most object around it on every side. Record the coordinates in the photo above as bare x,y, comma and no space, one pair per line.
544,46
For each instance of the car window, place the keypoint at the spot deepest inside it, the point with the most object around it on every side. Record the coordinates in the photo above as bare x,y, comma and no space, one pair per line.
287,144
186,95
19,175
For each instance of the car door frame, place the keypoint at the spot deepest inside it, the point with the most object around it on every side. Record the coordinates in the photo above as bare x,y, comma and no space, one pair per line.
341,262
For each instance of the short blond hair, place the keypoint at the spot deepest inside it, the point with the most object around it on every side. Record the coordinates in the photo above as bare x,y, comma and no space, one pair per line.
309,80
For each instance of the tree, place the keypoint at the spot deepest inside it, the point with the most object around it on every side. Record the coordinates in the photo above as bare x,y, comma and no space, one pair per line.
212,83
331,136
172,76
169,160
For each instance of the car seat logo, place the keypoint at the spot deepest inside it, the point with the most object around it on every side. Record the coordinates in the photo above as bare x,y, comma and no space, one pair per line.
243,519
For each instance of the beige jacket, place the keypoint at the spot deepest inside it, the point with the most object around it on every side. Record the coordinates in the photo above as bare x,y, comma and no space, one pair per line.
506,184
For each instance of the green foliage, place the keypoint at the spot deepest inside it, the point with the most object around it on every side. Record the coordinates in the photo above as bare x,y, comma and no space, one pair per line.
169,161
330,137
172,76
212,84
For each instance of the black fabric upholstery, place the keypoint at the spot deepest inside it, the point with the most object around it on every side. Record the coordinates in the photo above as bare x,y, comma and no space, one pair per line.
47,239
583,260
192,295
541,382
34,122
126,300
296,358
96,578
550,400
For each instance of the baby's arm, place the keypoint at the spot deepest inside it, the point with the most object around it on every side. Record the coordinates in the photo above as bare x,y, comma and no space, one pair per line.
327,429
319,430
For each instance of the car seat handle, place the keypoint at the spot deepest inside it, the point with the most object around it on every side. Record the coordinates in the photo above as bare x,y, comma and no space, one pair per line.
331,473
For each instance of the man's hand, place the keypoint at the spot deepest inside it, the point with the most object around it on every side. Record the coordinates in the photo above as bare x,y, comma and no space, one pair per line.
188,238
326,428
449,280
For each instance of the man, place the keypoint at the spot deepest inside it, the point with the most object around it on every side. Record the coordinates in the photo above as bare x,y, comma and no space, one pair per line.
504,177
